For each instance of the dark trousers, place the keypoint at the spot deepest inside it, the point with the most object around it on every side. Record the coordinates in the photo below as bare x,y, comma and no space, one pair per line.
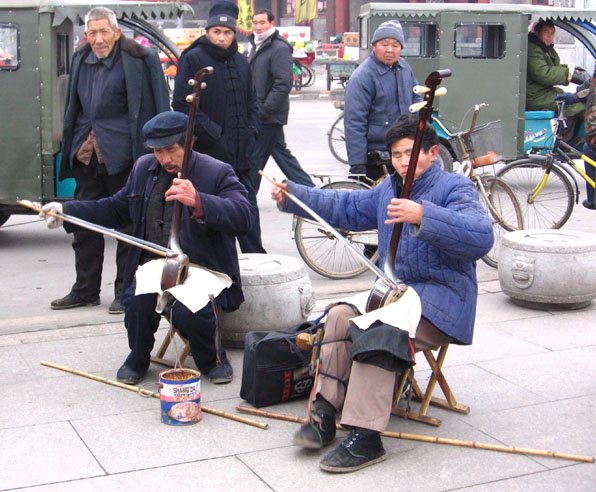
251,241
272,143
94,183
142,321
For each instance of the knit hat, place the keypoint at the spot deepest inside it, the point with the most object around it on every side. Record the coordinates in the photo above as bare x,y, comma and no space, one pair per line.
390,29
223,13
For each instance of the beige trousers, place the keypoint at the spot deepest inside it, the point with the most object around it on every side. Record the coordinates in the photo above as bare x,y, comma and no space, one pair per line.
368,398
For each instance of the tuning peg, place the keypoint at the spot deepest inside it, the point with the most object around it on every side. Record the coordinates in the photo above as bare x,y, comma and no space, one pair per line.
192,82
203,85
190,98
414,108
441,91
420,89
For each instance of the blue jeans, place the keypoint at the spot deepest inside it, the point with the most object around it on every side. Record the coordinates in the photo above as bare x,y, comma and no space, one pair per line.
272,143
142,321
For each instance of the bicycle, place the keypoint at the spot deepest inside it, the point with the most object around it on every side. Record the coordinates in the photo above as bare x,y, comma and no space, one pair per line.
336,138
478,147
304,76
543,183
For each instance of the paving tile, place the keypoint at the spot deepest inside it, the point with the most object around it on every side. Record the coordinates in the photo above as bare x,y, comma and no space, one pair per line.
44,453
554,375
225,475
573,478
564,426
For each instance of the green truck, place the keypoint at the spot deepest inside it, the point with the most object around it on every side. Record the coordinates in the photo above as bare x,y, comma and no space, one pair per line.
485,46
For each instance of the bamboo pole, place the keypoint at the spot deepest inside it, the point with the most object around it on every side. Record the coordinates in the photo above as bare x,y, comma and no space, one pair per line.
432,439
146,392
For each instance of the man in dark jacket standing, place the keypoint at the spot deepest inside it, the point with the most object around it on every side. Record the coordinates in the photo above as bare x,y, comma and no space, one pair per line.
272,70
226,121
115,87
215,208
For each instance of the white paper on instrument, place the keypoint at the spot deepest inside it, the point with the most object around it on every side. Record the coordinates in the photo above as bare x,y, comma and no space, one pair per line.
193,293
404,313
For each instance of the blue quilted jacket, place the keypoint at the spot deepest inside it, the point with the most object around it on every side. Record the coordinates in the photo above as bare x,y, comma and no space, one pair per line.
437,259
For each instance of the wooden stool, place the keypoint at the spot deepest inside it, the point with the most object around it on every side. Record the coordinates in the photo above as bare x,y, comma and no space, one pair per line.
158,358
426,398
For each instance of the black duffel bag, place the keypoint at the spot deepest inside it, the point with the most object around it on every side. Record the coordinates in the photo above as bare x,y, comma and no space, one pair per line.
274,369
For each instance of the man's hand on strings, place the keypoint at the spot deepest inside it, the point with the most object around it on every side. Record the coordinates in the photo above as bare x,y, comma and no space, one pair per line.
181,190
277,195
403,210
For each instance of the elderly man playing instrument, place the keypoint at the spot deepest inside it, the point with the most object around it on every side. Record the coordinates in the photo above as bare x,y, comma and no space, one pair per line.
215,210
445,230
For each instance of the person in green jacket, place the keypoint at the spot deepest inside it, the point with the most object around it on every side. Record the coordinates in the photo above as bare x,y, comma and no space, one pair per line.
545,71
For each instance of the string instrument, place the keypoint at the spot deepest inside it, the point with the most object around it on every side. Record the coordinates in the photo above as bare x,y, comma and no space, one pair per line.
382,293
175,269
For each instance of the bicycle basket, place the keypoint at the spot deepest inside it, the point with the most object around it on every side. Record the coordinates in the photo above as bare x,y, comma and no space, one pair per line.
484,144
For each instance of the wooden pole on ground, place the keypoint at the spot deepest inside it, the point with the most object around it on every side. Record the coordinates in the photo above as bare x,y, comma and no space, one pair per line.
432,439
147,392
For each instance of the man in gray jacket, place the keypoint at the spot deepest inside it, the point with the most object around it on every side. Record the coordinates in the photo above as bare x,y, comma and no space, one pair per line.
378,92
271,66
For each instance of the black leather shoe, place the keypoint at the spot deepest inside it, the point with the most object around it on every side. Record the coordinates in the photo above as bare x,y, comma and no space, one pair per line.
128,375
116,307
360,449
589,205
71,301
316,434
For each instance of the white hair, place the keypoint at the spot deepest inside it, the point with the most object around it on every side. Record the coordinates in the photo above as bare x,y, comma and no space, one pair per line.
98,13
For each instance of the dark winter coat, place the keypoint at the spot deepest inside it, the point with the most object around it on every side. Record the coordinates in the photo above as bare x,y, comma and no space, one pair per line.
146,91
437,258
209,242
273,75
227,112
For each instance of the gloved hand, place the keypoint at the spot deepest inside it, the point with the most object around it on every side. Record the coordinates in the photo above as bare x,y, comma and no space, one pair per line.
579,76
51,221
568,97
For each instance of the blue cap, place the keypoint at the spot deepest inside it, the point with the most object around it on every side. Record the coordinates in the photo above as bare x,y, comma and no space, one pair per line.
165,129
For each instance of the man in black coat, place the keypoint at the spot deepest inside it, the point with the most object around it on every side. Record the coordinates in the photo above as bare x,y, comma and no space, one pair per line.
226,121
272,70
115,86
215,210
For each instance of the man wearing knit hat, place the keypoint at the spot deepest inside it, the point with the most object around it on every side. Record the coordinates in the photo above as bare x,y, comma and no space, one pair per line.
226,121
378,92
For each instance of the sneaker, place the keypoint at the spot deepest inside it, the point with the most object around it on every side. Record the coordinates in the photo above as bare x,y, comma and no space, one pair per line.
72,301
221,374
360,449
127,375
589,205
116,307
316,434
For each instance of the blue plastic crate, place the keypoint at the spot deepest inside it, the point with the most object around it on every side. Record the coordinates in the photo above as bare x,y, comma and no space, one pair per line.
538,131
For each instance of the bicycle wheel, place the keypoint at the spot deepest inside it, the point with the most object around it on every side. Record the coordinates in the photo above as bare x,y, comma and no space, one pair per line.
553,205
308,76
502,207
337,140
445,158
324,253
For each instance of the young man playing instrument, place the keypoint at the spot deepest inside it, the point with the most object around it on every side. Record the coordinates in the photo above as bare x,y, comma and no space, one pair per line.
215,210
445,230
